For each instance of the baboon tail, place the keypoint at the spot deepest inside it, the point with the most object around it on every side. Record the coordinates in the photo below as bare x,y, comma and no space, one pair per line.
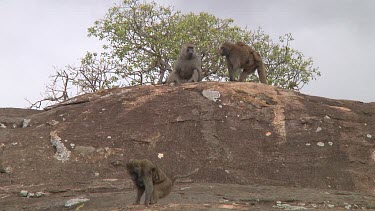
183,176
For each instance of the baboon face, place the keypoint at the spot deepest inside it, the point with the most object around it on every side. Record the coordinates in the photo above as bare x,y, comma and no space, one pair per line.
225,49
135,171
189,51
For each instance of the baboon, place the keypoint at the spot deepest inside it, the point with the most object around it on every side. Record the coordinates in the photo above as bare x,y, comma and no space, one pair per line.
148,178
188,67
242,56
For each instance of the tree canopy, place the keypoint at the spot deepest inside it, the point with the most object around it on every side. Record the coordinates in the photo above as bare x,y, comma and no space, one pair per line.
142,41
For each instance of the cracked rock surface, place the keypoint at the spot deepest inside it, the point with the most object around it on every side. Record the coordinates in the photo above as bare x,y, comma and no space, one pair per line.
251,135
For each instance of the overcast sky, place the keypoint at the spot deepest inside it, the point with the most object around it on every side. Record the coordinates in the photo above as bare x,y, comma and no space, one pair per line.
338,34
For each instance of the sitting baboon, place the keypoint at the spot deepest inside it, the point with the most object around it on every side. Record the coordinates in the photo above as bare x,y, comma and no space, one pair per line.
241,56
188,67
148,178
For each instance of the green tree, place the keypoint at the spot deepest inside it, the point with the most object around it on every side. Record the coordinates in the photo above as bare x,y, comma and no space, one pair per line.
142,41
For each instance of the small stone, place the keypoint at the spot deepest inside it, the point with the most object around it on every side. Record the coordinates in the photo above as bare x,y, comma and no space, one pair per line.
327,117
211,95
330,205
8,170
110,180
369,136
268,133
30,195
195,112
26,123
24,193
227,171
318,129
72,202
2,125
184,188
72,145
330,143
96,174
39,194
321,144
85,150
308,144
220,106
14,143
160,155
179,119
53,122
348,207
109,137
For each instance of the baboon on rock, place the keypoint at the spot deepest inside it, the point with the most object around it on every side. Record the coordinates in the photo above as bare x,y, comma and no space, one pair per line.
188,67
241,56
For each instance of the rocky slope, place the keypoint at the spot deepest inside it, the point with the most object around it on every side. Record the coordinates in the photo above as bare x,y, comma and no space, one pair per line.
236,133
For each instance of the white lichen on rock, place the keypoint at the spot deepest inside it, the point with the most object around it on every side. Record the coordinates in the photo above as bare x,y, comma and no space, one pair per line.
72,202
62,153
211,95
25,123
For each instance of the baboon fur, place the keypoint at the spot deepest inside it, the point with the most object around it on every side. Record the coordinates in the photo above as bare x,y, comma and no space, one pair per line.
241,56
151,180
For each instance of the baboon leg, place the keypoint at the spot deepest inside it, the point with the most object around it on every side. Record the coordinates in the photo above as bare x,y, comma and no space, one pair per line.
149,188
243,76
262,73
154,198
173,78
194,77
260,67
139,195
231,71
246,72
256,56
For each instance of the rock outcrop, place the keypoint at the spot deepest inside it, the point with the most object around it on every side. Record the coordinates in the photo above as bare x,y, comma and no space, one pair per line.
243,133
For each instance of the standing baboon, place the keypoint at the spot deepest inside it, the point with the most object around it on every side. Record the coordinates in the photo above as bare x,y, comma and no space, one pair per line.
241,56
148,178
188,67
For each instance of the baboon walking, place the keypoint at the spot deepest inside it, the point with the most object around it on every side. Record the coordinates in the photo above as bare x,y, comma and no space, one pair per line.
241,56
148,178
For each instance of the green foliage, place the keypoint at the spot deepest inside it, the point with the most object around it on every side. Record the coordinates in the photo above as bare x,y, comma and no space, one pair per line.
145,39
142,41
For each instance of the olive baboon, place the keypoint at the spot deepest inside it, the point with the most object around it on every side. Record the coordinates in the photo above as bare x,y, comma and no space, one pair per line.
241,56
148,178
188,67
